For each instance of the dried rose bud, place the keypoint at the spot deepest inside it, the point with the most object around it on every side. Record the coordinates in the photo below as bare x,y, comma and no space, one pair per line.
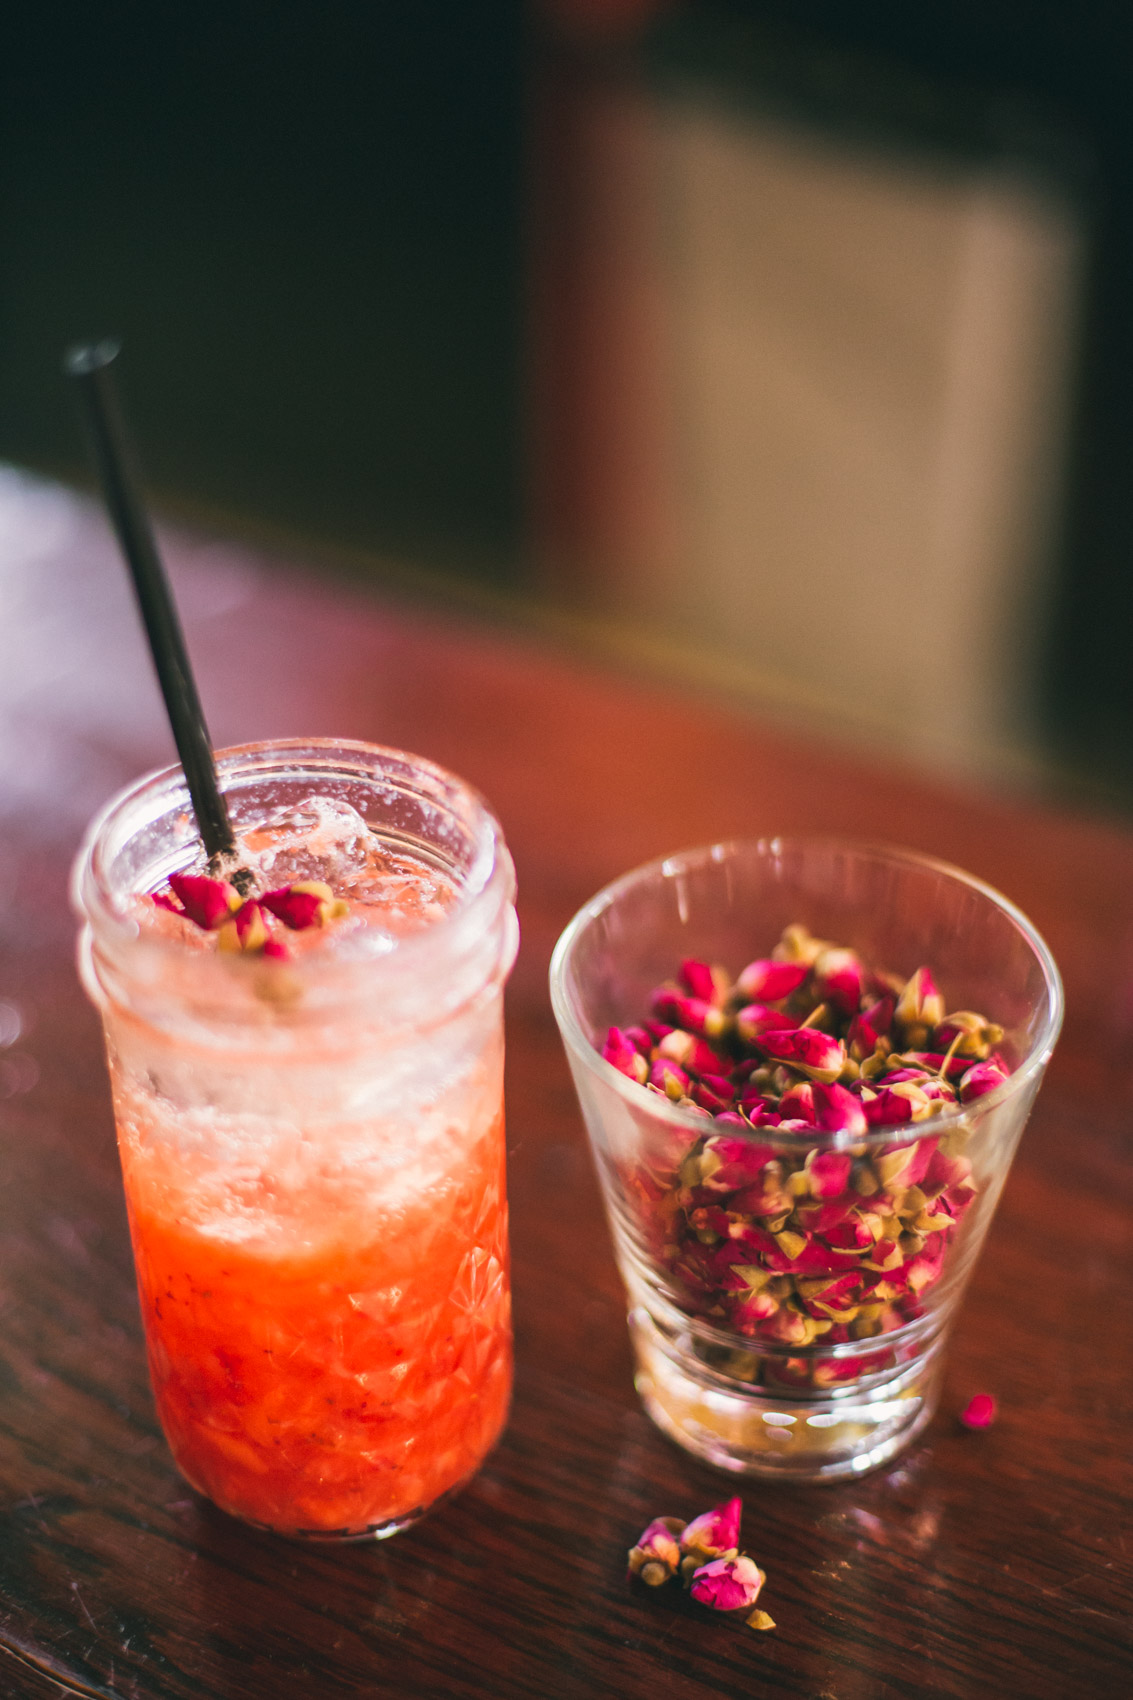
276,950
798,945
828,1173
894,1105
728,1584
980,1079
727,1163
838,979
206,901
837,1110
704,981
756,1018
306,903
243,930
797,1103
765,981
669,1079
656,1553
973,1035
815,1054
695,1015
919,1008
641,1039
979,1412
714,1532
869,1028
623,1055
713,1093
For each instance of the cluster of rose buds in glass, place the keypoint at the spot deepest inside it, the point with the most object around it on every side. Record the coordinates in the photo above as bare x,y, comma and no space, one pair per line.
246,923
706,1555
810,1234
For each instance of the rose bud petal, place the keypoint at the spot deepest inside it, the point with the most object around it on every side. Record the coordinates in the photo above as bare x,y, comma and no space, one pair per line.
306,903
166,900
756,1018
713,1094
206,901
979,1412
838,979
640,1039
695,1015
276,950
815,1054
623,1055
920,1006
837,1110
656,1553
765,981
728,1162
693,1053
980,1079
728,1584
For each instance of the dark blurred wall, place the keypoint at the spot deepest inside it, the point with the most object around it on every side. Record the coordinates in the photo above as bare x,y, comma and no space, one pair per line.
304,222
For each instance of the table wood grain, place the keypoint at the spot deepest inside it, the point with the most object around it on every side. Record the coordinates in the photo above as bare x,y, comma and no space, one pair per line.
976,1564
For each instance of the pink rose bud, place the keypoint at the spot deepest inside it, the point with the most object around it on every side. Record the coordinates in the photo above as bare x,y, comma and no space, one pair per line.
815,1054
768,982
976,1036
623,1055
979,1412
701,980
713,1094
669,1079
797,1102
837,1110
695,1015
828,1172
920,1004
243,930
714,1532
839,979
307,903
206,901
656,1553
277,950
894,1105
641,1039
980,1079
797,944
728,1584
867,1028
727,1162
756,1018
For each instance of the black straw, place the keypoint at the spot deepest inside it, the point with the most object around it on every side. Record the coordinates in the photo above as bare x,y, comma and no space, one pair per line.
90,365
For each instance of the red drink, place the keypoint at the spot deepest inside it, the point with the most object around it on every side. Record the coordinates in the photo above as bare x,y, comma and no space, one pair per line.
314,1167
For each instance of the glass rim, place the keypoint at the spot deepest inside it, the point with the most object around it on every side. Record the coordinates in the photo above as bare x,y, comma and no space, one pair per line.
694,1120
92,890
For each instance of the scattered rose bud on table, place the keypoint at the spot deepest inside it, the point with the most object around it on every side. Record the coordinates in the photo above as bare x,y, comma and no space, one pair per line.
706,1555
979,1412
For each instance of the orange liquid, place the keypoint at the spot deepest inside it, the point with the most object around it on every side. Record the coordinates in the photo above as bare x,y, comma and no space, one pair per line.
338,1373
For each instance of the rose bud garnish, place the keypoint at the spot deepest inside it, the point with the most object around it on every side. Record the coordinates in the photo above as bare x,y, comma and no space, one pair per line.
307,903
206,901
979,1412
245,929
817,1055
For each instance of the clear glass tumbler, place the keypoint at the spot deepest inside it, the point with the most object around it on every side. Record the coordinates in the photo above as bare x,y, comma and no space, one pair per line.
753,1389
313,1151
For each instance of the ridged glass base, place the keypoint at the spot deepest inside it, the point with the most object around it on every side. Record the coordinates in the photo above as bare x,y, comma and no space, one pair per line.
794,1437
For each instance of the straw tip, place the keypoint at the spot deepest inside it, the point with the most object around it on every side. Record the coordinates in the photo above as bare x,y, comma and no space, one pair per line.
85,358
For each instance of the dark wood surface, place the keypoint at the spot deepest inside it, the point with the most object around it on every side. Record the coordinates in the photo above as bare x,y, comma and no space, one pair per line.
996,1563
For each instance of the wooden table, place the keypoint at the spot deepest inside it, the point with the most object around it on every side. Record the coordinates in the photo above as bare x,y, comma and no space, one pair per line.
996,1563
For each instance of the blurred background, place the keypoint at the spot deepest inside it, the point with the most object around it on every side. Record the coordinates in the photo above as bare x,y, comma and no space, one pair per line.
785,347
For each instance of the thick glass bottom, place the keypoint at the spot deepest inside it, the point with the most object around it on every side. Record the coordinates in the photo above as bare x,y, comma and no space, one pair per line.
791,1436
